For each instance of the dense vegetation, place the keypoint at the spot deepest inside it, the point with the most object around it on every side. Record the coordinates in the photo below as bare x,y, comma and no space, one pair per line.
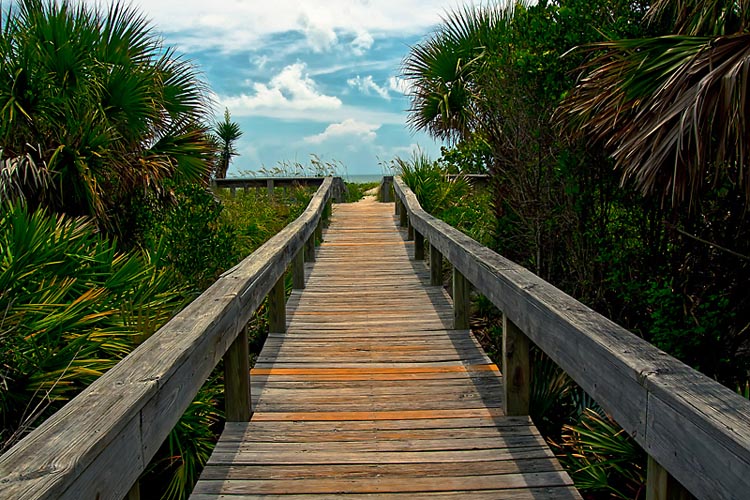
614,134
107,226
610,177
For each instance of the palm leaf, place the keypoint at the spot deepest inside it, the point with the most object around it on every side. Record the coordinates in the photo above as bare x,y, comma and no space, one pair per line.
672,109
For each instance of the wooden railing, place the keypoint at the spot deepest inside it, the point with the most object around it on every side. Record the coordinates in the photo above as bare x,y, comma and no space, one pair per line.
98,444
695,431
338,191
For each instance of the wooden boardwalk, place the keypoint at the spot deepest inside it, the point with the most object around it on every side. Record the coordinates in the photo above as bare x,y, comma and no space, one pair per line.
371,393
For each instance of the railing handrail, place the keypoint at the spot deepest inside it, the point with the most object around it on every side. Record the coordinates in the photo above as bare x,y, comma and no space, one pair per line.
694,427
233,183
261,181
99,443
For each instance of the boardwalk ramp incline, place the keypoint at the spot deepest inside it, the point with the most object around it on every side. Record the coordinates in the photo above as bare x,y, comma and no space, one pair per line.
371,391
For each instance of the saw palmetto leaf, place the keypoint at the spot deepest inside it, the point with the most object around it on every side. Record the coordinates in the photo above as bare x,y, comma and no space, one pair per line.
672,109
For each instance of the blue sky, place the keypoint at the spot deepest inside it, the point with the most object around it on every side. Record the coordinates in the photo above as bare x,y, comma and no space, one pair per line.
305,77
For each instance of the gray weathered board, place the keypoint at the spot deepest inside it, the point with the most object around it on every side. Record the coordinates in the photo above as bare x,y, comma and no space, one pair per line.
691,425
99,443
370,392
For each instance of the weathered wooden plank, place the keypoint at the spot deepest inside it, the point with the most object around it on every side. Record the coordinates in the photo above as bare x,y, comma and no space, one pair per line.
660,485
251,434
300,457
379,415
377,446
130,410
298,270
401,370
461,304
277,307
675,413
237,380
371,372
558,493
516,369
386,485
341,471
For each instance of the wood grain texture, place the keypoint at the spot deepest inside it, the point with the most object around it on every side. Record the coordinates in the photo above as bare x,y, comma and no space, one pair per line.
517,369
698,430
98,444
372,392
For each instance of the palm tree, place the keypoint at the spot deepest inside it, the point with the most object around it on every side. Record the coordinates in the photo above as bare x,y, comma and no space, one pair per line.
447,71
94,109
72,307
673,109
227,133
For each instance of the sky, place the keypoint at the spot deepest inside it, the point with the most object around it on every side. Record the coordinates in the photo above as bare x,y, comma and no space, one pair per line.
306,77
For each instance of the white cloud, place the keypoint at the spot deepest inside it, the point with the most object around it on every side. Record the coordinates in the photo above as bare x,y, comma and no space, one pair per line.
362,43
291,90
400,85
320,38
367,84
261,61
234,25
349,127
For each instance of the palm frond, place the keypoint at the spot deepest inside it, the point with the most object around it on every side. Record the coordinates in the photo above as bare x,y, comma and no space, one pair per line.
673,109
702,17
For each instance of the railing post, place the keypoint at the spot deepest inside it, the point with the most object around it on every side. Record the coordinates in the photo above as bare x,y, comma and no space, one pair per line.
418,246
232,191
385,189
409,231
516,369
135,492
269,187
436,266
319,230
277,307
460,301
402,215
328,210
237,380
660,485
298,270
310,248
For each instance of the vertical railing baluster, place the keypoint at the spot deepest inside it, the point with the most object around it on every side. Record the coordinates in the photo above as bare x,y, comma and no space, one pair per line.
436,266
237,380
461,288
298,270
277,307
661,485
516,369
418,246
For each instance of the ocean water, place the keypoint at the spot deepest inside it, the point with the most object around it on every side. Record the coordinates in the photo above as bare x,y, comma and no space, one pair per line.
362,178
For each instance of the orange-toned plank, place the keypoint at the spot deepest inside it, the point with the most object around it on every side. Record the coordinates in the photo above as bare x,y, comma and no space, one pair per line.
378,415
385,370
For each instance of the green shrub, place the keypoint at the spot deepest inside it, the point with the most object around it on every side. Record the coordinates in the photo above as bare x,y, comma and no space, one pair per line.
72,307
195,242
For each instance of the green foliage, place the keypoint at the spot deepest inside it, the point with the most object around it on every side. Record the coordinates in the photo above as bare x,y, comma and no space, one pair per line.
655,101
356,191
427,179
72,307
226,133
197,246
602,458
469,156
254,219
94,109
181,458
317,167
